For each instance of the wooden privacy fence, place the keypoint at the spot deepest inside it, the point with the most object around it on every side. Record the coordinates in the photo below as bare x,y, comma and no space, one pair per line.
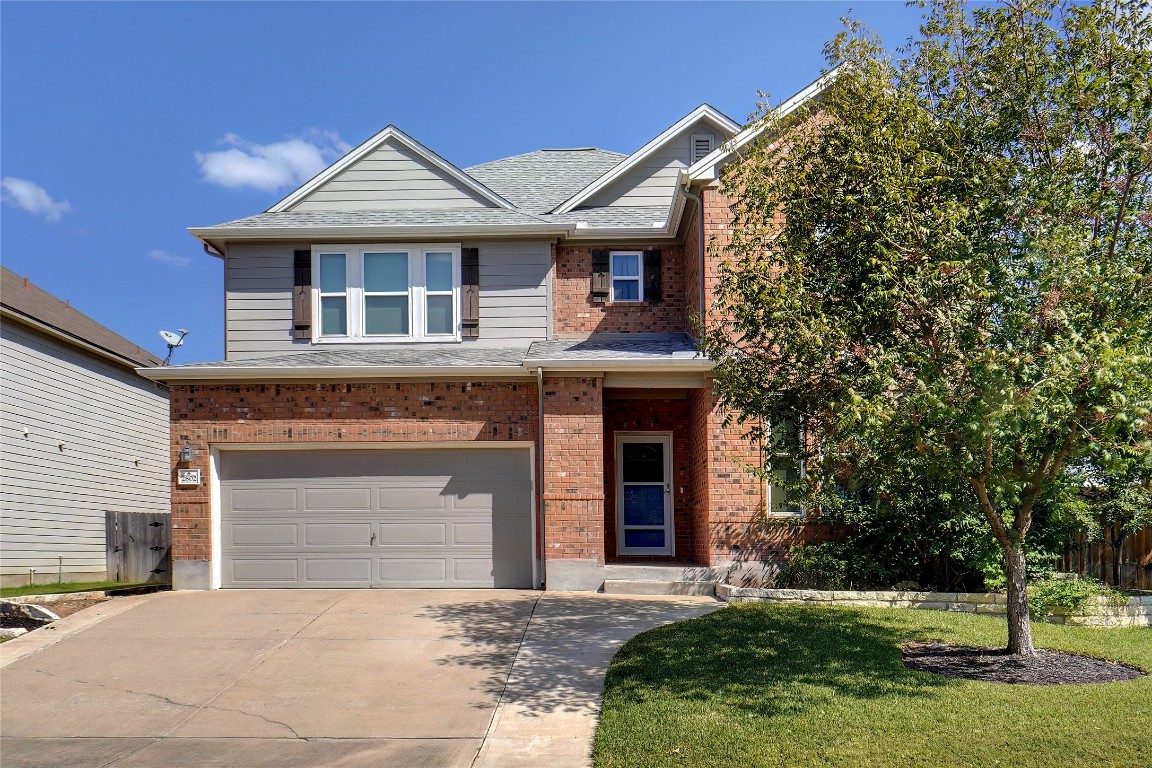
1095,559
139,547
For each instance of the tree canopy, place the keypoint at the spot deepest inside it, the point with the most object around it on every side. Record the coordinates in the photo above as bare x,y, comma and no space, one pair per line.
943,267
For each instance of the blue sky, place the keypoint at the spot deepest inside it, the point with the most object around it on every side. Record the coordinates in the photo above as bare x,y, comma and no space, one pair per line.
126,123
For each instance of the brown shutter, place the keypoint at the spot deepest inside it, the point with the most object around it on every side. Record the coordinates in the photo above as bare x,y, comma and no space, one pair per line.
601,279
302,295
652,276
470,292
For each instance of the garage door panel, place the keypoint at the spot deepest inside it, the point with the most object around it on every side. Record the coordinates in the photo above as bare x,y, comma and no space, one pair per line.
402,498
318,499
406,571
263,499
468,528
263,535
343,570
264,570
413,534
471,533
338,534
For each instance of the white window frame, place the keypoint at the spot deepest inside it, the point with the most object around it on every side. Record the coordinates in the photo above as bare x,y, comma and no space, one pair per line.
770,509
417,293
319,295
639,278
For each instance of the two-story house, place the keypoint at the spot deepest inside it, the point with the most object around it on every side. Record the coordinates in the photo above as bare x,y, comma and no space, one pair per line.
471,377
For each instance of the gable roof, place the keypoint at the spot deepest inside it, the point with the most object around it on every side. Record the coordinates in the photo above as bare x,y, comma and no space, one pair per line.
539,181
707,168
390,133
702,112
28,302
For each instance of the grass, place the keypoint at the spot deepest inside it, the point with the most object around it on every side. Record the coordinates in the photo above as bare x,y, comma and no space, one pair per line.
798,685
63,588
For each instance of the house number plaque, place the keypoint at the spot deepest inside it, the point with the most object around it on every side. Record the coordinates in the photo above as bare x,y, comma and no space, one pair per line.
187,477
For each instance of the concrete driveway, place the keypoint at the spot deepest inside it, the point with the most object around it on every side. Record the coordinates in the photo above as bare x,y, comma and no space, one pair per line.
322,678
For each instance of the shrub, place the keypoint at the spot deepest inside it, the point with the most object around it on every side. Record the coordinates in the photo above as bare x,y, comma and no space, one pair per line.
1069,595
814,566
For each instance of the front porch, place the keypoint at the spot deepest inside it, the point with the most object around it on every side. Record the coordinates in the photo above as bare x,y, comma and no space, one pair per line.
643,484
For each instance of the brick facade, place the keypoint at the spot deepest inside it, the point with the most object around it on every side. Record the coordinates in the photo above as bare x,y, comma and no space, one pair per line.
624,412
574,468
574,313
214,414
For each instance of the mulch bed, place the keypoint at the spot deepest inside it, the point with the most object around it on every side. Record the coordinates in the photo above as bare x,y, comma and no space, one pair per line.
996,665
61,608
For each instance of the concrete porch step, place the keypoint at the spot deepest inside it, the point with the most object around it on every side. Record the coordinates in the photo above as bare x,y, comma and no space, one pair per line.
669,572
652,587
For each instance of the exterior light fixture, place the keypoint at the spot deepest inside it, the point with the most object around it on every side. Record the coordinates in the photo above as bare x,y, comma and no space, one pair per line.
186,453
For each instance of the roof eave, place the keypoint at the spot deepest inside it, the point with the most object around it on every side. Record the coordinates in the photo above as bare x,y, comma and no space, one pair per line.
11,314
234,373
708,167
703,111
205,234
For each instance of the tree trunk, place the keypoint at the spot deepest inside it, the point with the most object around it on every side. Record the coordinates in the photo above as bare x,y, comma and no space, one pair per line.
1117,545
1019,620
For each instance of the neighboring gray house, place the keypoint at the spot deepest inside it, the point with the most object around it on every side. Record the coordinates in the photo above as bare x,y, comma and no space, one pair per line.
81,433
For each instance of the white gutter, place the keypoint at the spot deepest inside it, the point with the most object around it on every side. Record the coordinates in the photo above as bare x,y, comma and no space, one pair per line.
526,370
265,233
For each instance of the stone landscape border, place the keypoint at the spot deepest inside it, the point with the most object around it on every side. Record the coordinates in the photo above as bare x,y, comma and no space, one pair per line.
1137,612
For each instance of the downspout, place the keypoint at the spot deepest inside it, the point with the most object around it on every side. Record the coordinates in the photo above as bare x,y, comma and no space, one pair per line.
699,200
540,472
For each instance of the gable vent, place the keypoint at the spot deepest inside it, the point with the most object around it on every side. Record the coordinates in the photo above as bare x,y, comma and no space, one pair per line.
701,146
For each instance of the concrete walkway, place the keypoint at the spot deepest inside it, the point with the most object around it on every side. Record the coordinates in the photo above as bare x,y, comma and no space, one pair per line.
320,677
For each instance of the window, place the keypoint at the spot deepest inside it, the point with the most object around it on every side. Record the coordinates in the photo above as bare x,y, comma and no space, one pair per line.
627,267
784,467
387,293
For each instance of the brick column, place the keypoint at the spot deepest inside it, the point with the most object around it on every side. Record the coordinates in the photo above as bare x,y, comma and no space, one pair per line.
573,489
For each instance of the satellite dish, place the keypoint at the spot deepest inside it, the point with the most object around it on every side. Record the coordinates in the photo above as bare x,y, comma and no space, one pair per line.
172,339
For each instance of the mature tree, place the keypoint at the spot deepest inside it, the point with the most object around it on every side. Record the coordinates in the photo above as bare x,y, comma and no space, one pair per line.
943,266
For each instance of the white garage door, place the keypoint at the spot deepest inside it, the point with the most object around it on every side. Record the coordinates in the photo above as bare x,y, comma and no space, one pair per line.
376,518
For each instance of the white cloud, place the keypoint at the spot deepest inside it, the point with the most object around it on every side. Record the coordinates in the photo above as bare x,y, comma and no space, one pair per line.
270,166
33,198
174,259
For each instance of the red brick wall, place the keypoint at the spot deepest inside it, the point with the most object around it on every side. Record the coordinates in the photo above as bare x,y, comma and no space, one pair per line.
574,468
574,314
329,413
628,414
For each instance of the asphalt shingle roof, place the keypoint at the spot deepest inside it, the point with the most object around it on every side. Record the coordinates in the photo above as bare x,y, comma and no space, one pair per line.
603,346
447,355
615,346
615,216
393,218
19,295
539,181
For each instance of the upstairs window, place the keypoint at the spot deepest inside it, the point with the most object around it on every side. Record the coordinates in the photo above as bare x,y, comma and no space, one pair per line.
387,293
627,267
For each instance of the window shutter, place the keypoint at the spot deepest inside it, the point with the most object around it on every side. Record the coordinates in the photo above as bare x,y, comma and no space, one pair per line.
302,295
601,280
652,276
470,292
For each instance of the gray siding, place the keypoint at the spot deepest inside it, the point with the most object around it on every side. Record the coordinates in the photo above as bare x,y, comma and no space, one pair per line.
391,177
652,182
258,298
52,500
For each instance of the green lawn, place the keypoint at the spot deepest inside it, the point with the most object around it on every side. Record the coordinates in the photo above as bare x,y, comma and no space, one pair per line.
797,686
68,586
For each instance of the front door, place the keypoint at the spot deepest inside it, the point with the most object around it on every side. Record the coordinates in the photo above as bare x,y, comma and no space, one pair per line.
644,494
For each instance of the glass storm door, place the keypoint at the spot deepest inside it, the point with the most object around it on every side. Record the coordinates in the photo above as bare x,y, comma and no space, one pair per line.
644,494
